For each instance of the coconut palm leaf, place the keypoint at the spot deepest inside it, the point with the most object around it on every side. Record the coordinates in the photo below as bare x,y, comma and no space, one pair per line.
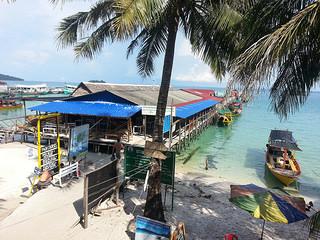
269,58
95,42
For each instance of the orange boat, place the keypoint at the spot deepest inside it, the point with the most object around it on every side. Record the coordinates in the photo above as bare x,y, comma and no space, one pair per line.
9,104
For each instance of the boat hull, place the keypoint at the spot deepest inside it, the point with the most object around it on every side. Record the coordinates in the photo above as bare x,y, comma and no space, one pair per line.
10,107
286,180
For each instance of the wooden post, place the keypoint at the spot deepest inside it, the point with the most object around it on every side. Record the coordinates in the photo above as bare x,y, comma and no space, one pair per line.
58,142
179,144
170,130
25,109
118,182
185,134
85,203
39,142
145,126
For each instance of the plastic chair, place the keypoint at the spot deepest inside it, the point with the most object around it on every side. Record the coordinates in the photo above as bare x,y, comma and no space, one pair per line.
230,236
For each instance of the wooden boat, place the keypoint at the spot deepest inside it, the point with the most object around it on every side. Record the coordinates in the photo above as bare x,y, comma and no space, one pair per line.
69,89
280,157
225,117
235,108
9,104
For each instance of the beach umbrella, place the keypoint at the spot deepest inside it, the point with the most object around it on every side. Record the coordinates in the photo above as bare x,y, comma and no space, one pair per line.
267,205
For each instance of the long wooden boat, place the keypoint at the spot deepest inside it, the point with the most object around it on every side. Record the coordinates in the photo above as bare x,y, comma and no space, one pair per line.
235,107
225,117
280,156
9,104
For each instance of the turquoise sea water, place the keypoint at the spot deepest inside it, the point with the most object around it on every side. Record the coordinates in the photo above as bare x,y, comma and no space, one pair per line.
237,153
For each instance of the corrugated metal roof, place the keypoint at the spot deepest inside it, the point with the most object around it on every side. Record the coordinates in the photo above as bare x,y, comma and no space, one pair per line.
204,93
138,94
193,108
102,109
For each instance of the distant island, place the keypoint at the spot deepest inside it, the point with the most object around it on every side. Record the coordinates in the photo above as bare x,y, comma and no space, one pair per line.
97,81
9,78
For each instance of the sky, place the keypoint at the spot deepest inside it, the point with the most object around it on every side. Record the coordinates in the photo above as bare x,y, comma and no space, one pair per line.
29,50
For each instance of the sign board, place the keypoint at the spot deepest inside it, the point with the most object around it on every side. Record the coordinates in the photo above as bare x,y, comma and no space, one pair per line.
49,158
149,229
135,160
151,110
98,185
79,142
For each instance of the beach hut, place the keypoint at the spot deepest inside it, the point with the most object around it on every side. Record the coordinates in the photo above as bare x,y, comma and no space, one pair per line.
127,111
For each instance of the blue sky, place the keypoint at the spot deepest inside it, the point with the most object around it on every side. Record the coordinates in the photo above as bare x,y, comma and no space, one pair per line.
29,50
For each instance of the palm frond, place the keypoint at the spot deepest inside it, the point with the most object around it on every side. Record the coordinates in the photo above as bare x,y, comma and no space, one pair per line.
95,42
296,76
69,29
74,28
134,15
153,44
136,42
267,58
210,42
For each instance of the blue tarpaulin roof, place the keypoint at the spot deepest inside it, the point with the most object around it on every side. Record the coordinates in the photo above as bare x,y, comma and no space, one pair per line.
102,109
193,108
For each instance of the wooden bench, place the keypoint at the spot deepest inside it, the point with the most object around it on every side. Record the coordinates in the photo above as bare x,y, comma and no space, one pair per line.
66,171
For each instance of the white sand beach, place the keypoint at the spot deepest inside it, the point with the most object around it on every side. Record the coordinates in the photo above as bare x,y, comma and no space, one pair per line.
17,163
201,202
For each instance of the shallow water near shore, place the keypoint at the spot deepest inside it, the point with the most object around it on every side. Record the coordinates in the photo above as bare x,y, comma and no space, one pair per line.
237,153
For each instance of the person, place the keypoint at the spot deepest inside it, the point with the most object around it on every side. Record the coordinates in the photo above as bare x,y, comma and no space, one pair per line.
116,149
45,179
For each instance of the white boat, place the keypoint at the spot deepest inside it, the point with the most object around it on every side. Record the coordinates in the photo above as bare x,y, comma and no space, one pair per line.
57,90
3,87
30,89
69,89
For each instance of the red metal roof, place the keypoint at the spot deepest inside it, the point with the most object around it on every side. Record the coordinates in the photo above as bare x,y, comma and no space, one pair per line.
205,94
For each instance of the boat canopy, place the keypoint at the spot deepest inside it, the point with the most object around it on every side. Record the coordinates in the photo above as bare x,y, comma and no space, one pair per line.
283,139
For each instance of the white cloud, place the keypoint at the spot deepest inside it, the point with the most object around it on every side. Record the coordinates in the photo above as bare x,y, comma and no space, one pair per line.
184,48
30,56
197,73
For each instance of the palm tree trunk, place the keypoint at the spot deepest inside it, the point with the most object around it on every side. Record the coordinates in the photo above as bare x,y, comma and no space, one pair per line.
154,208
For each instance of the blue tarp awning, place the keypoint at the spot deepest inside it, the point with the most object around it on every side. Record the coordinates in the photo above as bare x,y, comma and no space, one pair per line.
102,109
193,108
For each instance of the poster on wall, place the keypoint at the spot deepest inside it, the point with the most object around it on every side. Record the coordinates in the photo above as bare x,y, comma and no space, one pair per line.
79,142
49,158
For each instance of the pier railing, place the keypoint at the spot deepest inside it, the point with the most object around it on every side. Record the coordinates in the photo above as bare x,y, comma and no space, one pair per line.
12,123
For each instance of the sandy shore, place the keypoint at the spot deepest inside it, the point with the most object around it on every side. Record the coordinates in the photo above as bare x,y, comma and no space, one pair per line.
201,202
17,162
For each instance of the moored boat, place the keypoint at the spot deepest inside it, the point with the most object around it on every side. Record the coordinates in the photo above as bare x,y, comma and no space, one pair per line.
9,104
225,117
69,89
235,107
29,89
280,157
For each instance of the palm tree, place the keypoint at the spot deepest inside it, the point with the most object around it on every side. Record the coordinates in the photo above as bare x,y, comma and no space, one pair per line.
152,26
280,47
